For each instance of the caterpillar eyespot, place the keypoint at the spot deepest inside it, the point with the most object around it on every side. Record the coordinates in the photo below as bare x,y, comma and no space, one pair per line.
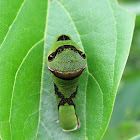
63,37
66,62
62,48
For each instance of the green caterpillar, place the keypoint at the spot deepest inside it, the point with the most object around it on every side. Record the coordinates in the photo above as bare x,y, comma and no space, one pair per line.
66,61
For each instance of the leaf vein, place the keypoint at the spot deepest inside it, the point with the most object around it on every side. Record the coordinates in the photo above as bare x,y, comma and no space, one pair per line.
17,74
83,49
12,23
72,22
47,130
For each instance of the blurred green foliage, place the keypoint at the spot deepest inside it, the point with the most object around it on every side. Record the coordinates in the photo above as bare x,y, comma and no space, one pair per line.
132,70
125,120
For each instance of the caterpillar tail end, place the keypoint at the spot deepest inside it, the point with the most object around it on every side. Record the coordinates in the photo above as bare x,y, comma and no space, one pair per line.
76,128
68,119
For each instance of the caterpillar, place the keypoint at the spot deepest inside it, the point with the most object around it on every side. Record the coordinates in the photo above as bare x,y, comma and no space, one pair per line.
66,62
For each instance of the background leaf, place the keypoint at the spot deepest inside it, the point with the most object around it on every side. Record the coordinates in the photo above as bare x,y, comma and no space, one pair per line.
28,104
133,65
125,120
19,80
124,123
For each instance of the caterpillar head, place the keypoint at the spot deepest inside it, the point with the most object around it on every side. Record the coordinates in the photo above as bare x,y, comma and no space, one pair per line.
65,59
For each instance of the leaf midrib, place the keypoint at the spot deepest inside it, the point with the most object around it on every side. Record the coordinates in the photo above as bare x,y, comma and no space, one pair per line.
89,74
43,62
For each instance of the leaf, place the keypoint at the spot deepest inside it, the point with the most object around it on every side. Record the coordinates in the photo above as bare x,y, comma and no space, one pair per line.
96,32
7,17
21,55
28,104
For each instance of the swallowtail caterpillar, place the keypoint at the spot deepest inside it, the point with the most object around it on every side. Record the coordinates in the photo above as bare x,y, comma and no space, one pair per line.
66,61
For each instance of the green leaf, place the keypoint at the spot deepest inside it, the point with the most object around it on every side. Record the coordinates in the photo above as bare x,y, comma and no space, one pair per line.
21,55
27,99
7,17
